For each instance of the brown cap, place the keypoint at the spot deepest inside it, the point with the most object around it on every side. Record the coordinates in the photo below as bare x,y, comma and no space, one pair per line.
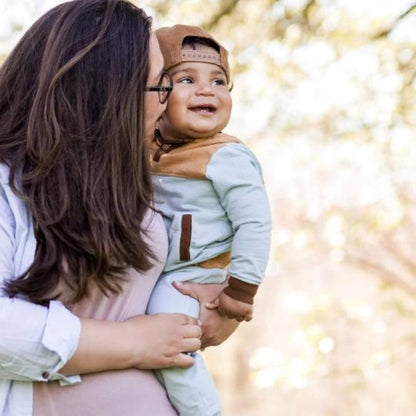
171,39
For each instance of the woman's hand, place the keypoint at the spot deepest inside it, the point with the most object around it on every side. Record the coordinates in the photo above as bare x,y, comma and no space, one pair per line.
160,340
215,328
144,342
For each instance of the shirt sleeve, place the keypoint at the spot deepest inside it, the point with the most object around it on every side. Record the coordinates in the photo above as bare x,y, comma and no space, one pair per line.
35,341
236,176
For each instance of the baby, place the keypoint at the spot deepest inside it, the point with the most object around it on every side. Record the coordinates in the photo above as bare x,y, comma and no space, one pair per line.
209,188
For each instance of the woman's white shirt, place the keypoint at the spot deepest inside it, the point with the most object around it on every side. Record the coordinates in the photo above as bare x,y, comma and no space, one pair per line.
35,341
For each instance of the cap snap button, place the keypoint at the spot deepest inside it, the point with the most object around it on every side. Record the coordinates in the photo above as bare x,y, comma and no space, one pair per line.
45,375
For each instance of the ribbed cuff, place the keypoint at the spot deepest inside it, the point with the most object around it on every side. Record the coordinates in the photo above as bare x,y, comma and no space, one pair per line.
242,291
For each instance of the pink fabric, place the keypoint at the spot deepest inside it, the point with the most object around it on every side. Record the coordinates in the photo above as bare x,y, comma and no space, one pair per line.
113,393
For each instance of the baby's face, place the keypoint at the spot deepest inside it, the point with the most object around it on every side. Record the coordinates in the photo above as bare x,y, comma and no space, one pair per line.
200,103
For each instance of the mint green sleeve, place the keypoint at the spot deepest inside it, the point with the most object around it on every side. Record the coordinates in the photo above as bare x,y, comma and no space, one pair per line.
236,176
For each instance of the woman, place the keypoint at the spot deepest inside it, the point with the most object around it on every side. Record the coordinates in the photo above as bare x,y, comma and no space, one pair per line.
80,245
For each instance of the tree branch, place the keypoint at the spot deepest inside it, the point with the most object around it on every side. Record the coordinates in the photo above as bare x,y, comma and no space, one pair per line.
308,7
386,32
381,272
227,8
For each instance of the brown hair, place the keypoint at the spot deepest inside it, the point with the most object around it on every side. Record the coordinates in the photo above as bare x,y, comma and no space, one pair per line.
72,133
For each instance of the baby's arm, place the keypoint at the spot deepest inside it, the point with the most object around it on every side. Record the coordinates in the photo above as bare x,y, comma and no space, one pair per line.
236,176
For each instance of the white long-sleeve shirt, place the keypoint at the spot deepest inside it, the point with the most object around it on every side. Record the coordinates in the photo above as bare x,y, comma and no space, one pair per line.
35,341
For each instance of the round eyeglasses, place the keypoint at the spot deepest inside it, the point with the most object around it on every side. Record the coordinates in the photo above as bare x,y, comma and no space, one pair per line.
163,88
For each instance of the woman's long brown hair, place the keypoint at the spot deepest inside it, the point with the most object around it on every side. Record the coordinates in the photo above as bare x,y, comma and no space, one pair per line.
72,133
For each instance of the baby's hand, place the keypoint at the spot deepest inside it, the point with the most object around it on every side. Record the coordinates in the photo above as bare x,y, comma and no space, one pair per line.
232,308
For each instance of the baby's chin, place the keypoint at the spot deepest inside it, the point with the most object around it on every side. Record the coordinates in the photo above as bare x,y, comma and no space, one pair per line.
205,134
208,132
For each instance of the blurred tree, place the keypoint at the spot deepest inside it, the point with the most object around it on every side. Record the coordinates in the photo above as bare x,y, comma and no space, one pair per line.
327,88
324,91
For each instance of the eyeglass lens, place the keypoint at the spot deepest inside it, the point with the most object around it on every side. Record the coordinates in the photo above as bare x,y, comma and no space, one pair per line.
166,82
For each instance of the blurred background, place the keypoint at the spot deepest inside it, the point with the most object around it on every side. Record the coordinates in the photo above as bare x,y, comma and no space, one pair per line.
324,95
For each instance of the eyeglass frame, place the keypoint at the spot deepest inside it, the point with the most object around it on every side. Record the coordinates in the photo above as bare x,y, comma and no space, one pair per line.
162,88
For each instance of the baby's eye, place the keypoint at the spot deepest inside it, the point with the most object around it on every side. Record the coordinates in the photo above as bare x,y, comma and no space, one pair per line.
185,80
219,82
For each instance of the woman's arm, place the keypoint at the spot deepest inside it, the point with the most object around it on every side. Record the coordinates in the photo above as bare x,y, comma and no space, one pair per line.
36,342
145,342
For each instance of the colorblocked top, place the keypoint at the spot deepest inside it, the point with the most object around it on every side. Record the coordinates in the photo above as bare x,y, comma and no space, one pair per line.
213,201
